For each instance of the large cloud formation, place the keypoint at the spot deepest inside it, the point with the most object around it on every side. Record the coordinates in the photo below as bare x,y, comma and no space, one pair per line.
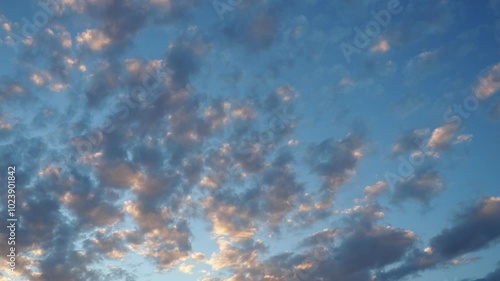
140,128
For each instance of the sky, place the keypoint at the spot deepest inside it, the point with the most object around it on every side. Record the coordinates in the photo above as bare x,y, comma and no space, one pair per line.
240,140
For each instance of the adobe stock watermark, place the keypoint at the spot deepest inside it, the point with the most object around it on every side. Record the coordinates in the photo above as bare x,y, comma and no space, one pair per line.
12,225
39,20
453,116
223,6
372,29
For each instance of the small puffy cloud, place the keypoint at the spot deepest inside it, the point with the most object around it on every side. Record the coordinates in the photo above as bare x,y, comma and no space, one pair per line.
442,136
345,81
463,138
286,93
463,260
198,257
6,26
66,41
5,125
94,39
186,268
243,112
373,191
37,79
40,78
489,83
57,87
381,46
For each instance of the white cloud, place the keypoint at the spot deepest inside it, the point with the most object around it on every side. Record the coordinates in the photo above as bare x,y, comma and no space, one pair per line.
375,190
57,87
382,46
463,138
489,83
442,136
37,79
186,268
95,39
6,26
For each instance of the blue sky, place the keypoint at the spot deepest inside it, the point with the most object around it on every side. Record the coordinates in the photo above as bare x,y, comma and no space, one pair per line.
231,140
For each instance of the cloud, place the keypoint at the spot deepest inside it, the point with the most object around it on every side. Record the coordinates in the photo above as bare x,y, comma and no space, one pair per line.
373,191
463,138
37,79
170,150
335,162
324,237
167,240
118,22
237,256
351,252
422,187
184,57
256,25
489,83
198,257
94,39
476,228
229,219
186,268
441,137
381,46
104,82
237,216
6,127
160,237
409,141
423,65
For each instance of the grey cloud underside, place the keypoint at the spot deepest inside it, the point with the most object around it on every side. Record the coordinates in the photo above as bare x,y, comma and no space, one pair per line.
422,187
352,259
474,229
